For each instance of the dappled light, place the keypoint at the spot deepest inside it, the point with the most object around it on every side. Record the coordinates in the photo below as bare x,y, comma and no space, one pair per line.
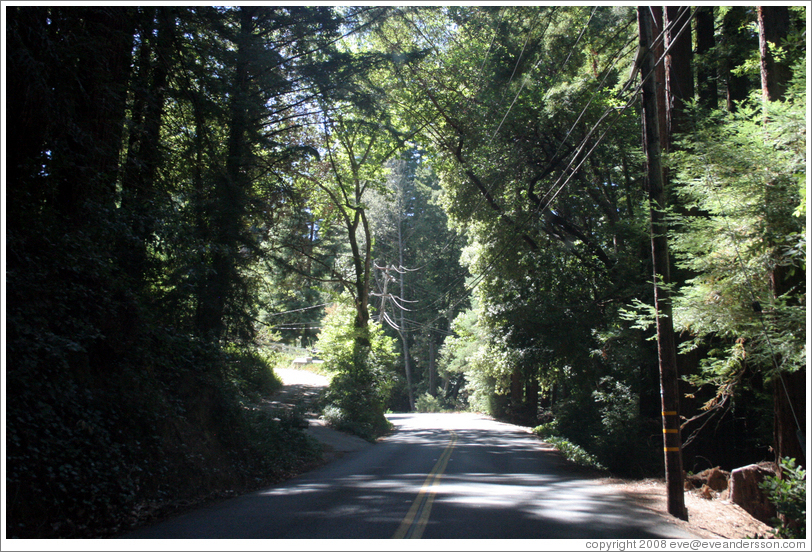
585,222
496,484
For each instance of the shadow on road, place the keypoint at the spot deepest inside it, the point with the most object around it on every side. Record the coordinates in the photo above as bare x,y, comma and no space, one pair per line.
498,483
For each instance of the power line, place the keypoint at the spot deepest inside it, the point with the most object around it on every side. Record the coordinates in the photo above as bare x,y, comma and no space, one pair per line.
480,278
560,71
524,81
299,310
617,113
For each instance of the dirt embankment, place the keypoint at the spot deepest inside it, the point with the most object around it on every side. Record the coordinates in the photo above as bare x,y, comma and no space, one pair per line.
710,518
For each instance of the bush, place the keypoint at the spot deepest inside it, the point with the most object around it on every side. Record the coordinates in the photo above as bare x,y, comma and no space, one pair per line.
95,454
789,496
356,400
252,372
545,431
574,453
363,377
428,403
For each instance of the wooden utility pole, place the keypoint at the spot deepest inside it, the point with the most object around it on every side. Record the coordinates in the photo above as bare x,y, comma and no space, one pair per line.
666,348
404,335
402,329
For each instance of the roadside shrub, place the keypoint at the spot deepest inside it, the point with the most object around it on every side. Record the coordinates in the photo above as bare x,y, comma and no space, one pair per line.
363,376
575,453
251,371
789,496
550,429
428,403
619,442
357,397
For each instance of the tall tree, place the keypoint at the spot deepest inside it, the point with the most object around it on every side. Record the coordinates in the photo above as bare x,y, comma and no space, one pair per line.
773,26
679,88
139,186
736,43
706,72
773,29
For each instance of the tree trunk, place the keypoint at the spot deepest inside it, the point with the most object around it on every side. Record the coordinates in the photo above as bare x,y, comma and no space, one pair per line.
97,92
363,274
678,68
516,394
773,25
532,397
669,389
30,99
706,65
789,392
660,78
144,149
230,194
789,395
734,54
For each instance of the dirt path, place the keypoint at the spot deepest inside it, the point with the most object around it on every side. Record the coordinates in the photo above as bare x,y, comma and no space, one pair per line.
303,389
300,389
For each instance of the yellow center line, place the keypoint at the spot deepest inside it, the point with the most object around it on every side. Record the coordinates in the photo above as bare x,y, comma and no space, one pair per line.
416,519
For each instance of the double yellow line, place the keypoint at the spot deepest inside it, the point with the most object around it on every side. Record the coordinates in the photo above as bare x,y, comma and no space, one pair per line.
415,521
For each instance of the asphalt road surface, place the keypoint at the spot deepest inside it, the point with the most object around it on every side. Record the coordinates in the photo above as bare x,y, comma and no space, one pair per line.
439,476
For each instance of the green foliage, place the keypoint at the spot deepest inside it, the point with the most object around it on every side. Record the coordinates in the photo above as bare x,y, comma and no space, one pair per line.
363,377
148,186
428,403
100,453
251,371
221,167
574,453
742,241
547,430
641,315
788,493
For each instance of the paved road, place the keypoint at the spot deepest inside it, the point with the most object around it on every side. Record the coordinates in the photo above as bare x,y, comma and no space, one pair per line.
459,476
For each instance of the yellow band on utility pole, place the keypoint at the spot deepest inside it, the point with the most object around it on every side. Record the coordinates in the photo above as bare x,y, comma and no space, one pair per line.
670,431
670,413
671,449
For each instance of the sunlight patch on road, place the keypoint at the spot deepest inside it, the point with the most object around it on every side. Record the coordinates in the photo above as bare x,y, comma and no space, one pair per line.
297,490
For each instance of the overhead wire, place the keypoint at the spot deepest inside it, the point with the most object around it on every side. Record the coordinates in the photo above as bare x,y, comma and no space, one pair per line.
299,310
496,131
617,113
480,277
634,96
524,81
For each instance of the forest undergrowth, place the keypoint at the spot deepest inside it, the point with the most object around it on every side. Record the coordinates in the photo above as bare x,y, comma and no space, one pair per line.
97,455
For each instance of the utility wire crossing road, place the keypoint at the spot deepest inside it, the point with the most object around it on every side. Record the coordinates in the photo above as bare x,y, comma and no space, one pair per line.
438,476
